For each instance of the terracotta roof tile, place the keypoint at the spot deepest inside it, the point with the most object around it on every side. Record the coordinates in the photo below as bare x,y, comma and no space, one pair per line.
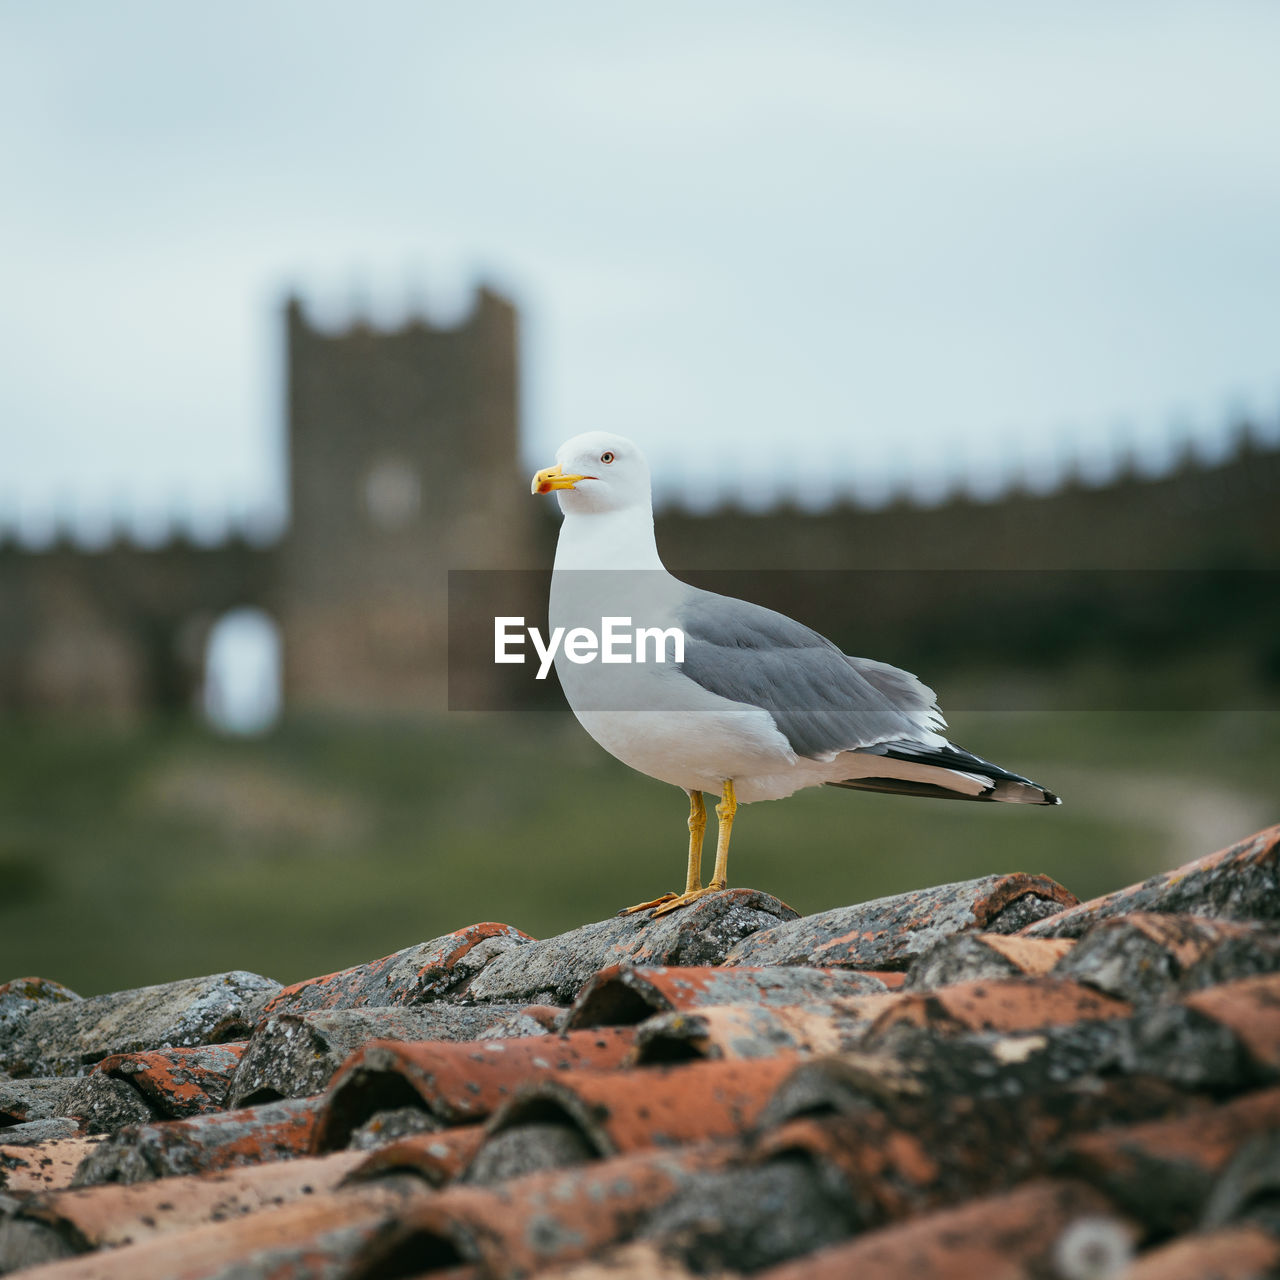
639,1260
427,971
554,970
203,1144
37,1132
1224,1037
625,994
454,1083
102,1104
1248,1189
1147,955
966,957
43,1167
294,1055
1164,1170
903,1151
92,1104
437,1158
1011,1004
83,1219
178,1082
745,1031
1245,1252
62,1037
313,1238
1045,1228
621,1112
533,1223
889,933
703,1117
37,1099
970,1071
22,995
1251,1009
1241,882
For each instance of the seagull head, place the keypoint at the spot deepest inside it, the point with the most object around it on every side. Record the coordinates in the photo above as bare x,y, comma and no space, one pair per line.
596,471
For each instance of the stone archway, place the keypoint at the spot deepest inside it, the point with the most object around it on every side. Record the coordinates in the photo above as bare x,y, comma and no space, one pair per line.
241,691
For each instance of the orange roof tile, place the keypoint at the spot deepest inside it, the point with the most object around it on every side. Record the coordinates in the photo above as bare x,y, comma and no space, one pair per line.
964,1081
1037,1230
424,972
621,1112
45,1166
178,1082
1236,883
1244,1252
455,1083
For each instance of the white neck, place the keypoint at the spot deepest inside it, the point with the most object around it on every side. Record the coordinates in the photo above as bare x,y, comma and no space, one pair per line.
608,540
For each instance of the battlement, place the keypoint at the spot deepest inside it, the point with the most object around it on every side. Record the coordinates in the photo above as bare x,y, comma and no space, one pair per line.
1180,456
65,536
486,306
114,614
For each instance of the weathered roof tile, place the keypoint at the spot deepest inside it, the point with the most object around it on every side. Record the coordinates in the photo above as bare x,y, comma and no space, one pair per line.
19,997
426,971
1163,1171
626,994
1146,955
454,1083
746,1031
889,933
1225,1037
1241,882
700,1118
47,1166
65,1037
535,1222
33,1099
101,1104
966,957
619,1112
1044,1228
83,1219
202,1144
1010,1004
294,1055
637,1260
314,1238
178,1082
903,1151
437,1158
1246,1252
555,969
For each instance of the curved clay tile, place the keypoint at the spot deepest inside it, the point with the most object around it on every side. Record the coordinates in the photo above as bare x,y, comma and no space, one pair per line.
454,1083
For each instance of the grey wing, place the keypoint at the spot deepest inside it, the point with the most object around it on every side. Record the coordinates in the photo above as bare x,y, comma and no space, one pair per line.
822,701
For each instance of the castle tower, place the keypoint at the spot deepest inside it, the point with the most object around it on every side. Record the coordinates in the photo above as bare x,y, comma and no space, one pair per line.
403,464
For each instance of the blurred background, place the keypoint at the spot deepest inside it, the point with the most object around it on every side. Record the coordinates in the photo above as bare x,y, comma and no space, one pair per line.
949,329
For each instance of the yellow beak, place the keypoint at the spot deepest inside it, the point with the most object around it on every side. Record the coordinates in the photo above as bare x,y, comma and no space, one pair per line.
553,478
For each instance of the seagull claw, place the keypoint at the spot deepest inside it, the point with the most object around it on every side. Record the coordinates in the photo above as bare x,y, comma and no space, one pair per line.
645,906
684,899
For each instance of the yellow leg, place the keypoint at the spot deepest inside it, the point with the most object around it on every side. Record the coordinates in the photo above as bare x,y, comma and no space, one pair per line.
697,829
693,877
725,810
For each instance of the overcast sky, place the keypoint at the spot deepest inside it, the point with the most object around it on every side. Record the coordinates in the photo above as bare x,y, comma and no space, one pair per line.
800,239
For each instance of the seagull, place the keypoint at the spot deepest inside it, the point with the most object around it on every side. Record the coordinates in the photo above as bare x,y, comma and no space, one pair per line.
744,703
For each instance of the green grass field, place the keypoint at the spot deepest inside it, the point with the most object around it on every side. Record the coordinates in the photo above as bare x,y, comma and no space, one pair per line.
133,857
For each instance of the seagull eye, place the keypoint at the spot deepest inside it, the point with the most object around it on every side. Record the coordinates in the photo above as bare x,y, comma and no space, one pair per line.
606,457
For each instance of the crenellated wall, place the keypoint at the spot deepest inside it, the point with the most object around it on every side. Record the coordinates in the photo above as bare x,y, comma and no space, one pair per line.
404,463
